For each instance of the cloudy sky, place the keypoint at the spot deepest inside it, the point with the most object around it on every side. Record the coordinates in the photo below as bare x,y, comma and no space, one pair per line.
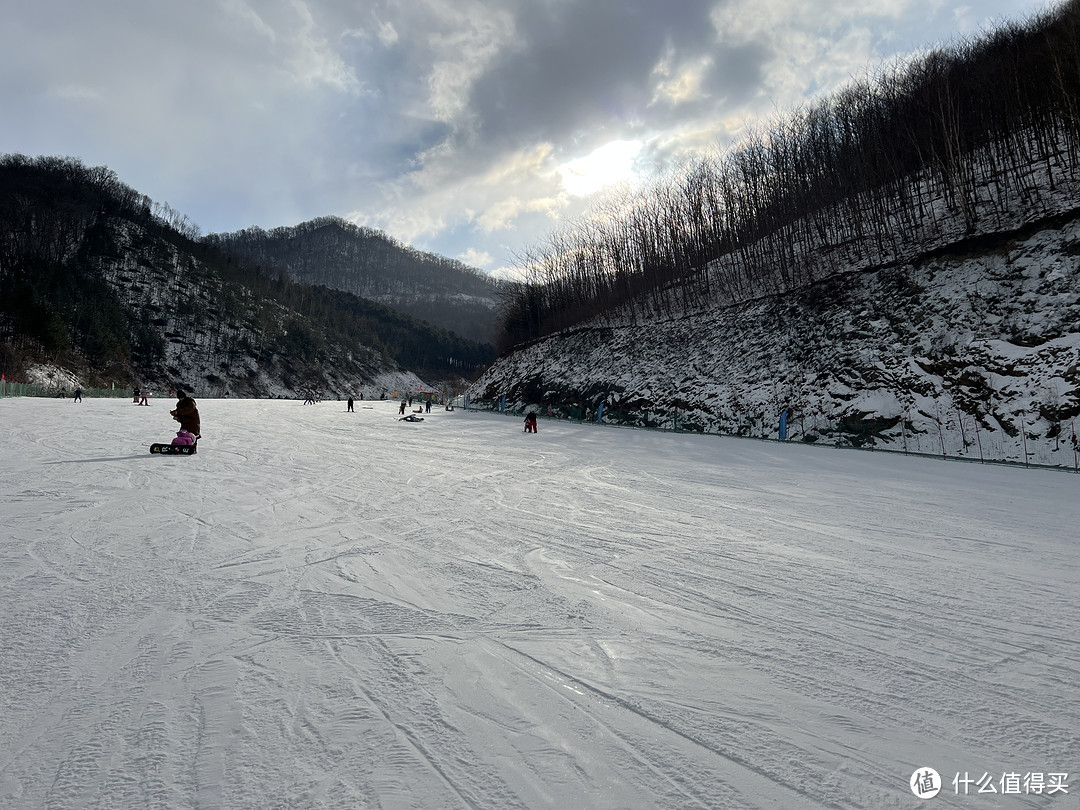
470,128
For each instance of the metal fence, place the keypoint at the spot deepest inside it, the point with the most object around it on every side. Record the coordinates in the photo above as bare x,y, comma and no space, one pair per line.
9,388
1028,441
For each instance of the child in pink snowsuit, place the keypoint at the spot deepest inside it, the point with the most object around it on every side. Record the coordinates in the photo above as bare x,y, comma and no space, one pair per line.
183,437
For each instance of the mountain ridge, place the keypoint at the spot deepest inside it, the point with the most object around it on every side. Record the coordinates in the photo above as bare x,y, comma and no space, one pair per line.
97,278
366,262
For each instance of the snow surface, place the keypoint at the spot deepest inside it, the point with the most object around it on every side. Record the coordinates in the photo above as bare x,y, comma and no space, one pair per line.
325,609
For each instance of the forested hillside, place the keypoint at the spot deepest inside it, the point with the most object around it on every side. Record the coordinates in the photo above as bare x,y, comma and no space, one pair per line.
897,266
337,254
971,139
97,278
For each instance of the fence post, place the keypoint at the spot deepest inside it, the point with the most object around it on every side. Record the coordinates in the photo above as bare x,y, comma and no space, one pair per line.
1076,451
1023,432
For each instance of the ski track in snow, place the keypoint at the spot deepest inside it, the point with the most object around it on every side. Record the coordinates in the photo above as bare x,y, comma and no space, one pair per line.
332,610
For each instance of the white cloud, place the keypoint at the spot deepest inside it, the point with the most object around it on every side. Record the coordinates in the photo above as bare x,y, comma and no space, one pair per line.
679,83
815,47
245,13
387,34
488,193
475,258
469,36
313,60
508,273
501,214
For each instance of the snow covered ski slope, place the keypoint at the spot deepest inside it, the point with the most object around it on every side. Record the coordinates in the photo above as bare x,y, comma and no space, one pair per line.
325,609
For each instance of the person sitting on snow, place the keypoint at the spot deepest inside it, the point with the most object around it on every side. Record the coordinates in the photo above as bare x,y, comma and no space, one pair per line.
186,413
183,437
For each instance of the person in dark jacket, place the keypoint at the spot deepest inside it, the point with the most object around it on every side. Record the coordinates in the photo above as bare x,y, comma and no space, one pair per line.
186,413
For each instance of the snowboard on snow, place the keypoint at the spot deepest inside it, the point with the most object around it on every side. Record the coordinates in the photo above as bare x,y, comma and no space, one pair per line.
173,449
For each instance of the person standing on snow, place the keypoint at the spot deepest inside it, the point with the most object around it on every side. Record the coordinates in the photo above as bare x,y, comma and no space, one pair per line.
186,413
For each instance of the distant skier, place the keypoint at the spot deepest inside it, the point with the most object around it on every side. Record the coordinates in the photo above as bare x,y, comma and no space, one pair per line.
78,395
144,400
530,422
350,408
186,413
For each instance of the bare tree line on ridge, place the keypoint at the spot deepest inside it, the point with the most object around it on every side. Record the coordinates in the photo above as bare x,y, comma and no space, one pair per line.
962,140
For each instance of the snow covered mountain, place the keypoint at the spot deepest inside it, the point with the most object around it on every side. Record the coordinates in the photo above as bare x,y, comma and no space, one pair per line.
985,347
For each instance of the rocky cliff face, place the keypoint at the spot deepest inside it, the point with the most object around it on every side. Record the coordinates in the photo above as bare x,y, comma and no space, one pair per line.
973,354
223,339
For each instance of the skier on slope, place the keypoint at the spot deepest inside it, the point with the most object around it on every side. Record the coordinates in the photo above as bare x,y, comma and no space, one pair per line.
186,413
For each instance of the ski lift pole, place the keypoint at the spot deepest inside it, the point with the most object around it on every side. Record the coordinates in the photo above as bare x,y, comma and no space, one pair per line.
941,438
1023,432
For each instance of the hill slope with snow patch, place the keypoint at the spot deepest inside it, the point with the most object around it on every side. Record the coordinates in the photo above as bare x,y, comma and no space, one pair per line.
975,354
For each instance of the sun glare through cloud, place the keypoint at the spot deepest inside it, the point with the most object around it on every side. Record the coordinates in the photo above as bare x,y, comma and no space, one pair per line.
610,164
